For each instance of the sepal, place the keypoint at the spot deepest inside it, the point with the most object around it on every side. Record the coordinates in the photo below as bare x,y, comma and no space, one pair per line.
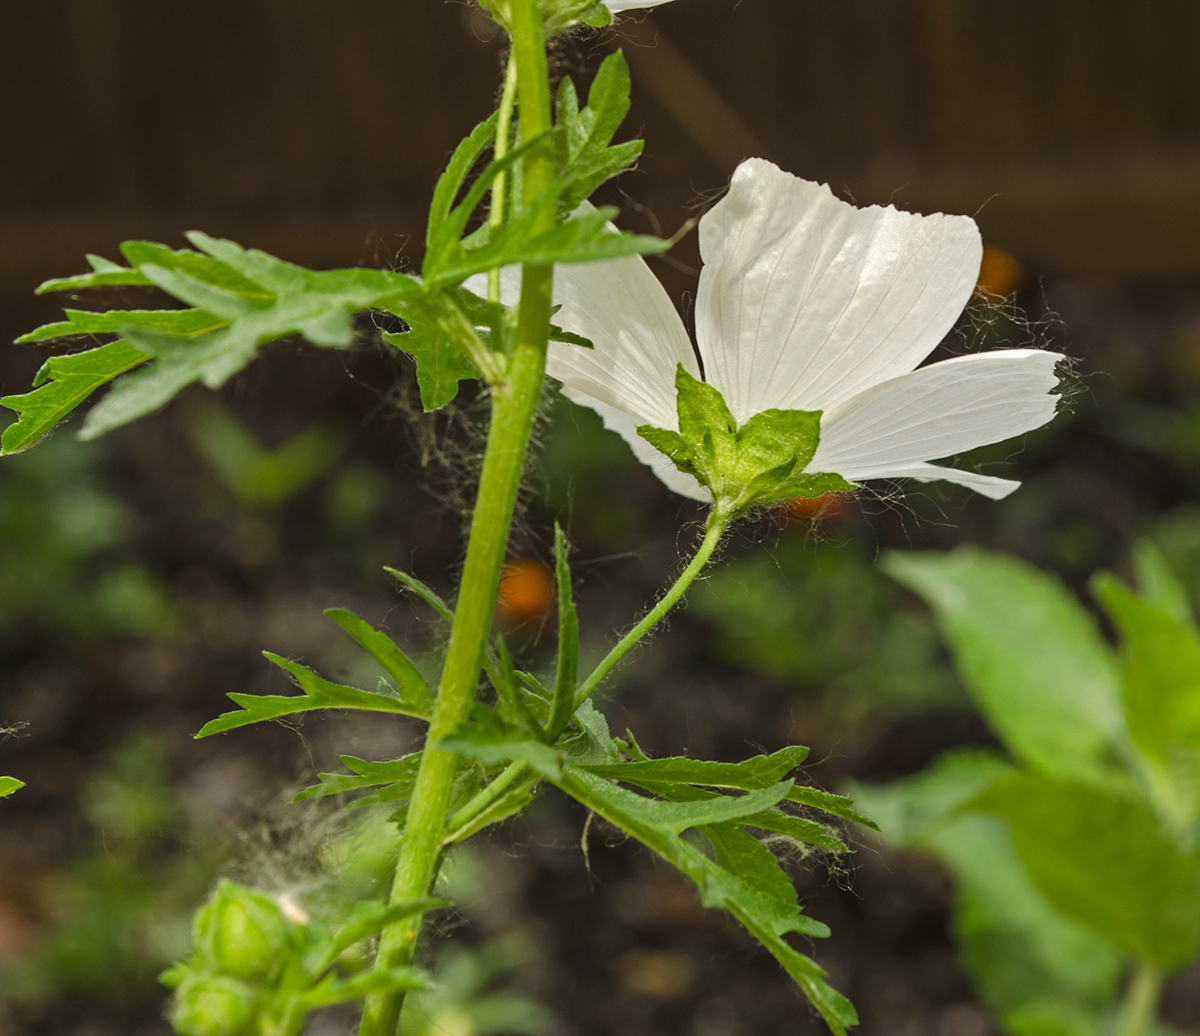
743,466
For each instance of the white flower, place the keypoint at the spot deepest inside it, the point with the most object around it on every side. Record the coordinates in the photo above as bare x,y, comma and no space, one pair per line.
807,303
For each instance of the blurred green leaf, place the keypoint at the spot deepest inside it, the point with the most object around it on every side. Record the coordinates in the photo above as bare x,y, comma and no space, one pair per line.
1102,859
8,785
260,476
1028,960
914,808
1028,652
1157,583
1162,671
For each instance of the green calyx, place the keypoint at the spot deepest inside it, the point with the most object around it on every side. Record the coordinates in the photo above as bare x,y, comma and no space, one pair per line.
746,466
557,15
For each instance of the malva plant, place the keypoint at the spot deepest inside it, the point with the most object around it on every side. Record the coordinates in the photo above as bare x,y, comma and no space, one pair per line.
814,317
1075,851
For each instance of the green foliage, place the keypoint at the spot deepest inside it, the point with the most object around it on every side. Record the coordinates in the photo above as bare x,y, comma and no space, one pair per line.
1088,857
1037,969
818,617
1028,653
256,971
241,299
1104,860
257,476
441,364
8,785
462,998
743,876
757,463
65,552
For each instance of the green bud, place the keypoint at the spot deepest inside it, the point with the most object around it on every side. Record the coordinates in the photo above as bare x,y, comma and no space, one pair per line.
213,1005
240,932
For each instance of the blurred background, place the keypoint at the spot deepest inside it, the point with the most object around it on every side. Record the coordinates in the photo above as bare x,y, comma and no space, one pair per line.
141,575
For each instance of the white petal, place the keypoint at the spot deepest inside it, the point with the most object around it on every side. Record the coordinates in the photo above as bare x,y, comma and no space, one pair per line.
638,336
988,485
937,411
626,426
616,6
805,301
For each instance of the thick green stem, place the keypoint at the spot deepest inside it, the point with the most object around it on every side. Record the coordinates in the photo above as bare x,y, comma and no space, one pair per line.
717,522
1140,1008
514,406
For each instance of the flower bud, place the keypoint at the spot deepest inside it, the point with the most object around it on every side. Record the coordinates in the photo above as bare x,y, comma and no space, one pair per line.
239,932
213,1005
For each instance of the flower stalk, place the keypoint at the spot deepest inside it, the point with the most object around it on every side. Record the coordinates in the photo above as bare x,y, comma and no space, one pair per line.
1140,1006
514,406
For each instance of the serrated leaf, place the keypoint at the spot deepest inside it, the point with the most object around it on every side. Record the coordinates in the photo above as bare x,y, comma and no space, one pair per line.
1102,859
441,365
566,671
107,275
318,694
410,683
828,802
763,771
249,298
747,858
84,322
657,825
582,137
1028,653
62,383
8,785
450,182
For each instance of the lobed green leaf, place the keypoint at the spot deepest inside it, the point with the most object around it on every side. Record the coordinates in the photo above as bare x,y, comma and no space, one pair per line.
410,684
318,694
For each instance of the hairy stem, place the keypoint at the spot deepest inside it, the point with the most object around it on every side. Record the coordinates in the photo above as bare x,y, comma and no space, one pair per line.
1141,1001
514,405
717,523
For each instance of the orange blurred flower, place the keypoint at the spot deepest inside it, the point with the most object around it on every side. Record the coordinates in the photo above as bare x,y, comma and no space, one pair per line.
825,507
1000,273
526,590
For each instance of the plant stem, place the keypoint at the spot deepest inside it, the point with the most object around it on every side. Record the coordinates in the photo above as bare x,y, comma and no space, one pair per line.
717,523
514,406
500,186
1140,1006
